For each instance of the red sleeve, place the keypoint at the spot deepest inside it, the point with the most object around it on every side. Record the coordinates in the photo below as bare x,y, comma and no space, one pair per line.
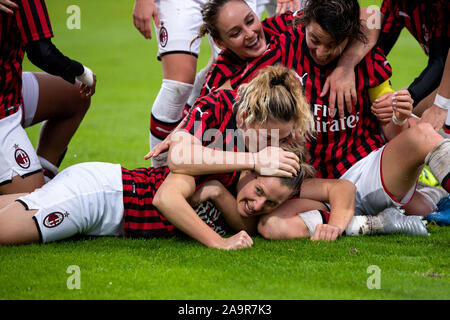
33,20
392,23
373,70
201,116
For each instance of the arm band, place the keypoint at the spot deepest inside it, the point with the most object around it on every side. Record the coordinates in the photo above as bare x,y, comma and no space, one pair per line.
46,56
378,91
442,102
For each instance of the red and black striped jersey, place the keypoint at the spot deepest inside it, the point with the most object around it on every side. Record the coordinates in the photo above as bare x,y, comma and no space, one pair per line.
29,22
142,219
425,20
228,65
212,120
339,142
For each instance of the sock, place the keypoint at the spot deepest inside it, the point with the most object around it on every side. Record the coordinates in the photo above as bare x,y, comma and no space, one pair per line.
439,162
313,218
50,170
358,226
447,123
167,111
159,130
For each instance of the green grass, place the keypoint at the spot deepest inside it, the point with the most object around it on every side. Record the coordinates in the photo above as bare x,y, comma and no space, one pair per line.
116,130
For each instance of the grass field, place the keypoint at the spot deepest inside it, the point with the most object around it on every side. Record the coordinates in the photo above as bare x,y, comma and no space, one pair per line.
116,130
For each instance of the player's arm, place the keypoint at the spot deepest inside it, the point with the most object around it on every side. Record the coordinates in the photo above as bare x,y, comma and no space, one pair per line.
46,56
430,77
226,203
340,84
171,201
340,194
187,155
392,109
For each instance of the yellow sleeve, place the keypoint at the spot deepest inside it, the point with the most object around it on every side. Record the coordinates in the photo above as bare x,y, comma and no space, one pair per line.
378,91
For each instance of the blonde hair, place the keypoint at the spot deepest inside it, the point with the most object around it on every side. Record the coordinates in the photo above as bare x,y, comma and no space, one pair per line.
275,93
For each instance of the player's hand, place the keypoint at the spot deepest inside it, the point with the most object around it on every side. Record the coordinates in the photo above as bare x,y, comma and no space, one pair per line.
435,116
402,104
285,5
341,86
161,147
326,232
87,91
143,12
8,6
238,241
382,108
274,161
209,191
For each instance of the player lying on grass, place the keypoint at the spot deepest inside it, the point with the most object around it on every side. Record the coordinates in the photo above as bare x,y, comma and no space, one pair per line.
104,199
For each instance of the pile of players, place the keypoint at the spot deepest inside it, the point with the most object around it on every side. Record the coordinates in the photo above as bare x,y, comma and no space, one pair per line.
292,130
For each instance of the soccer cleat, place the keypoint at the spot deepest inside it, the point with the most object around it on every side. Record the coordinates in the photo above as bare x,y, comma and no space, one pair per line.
428,178
392,220
442,214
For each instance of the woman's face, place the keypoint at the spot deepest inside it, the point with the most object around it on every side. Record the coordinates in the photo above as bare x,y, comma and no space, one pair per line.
240,30
258,195
321,46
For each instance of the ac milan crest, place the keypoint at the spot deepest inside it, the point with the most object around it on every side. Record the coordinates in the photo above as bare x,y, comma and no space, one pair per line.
21,157
163,36
53,219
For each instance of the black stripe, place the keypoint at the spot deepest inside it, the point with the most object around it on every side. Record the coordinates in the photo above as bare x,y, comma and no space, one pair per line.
177,52
23,203
41,240
36,18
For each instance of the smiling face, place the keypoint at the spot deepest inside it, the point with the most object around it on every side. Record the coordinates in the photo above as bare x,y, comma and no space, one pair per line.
259,195
322,47
240,30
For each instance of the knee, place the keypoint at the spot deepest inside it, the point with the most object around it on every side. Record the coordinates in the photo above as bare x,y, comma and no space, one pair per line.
423,135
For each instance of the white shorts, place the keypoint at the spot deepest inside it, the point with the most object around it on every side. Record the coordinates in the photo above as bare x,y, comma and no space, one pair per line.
30,93
17,154
181,21
371,194
85,198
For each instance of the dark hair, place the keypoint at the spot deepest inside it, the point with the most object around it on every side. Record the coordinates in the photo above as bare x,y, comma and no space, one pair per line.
210,12
339,18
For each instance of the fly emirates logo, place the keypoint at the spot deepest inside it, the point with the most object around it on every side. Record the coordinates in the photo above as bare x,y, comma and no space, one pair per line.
321,113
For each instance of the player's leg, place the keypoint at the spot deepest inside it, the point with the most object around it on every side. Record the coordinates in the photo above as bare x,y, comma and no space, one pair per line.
61,109
17,225
20,170
422,145
180,24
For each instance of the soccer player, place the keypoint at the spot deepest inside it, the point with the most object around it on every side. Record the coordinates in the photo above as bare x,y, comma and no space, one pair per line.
428,22
176,24
29,98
